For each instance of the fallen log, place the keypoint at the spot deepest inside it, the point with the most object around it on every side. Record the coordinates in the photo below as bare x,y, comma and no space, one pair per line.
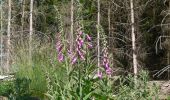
6,77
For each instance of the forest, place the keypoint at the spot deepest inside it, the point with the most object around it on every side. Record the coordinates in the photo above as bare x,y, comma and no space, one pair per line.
84,50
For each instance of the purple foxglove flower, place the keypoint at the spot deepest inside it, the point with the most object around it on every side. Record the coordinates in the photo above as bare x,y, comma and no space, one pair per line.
104,61
60,57
109,71
74,60
107,65
80,32
79,45
88,37
80,42
89,45
78,50
99,74
82,57
59,48
69,52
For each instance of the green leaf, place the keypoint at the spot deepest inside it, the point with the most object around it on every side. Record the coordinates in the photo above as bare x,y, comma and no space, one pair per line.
88,95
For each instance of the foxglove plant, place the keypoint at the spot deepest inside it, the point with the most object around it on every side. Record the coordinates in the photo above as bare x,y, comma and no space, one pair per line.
72,56
59,43
80,46
59,48
105,59
99,74
83,42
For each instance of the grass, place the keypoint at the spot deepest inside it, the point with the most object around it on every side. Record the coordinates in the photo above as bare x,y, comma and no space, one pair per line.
31,71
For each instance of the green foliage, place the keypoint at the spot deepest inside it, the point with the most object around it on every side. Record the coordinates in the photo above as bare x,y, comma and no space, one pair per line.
17,89
139,90
64,87
6,88
21,89
77,82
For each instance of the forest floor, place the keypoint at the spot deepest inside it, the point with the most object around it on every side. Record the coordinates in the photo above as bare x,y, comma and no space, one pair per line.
164,88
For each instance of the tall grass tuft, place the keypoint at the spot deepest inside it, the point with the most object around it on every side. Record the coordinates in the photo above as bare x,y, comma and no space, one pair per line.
32,69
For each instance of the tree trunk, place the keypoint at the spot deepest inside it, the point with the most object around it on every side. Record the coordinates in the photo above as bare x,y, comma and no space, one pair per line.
31,30
1,59
133,38
168,49
72,26
109,26
8,35
23,15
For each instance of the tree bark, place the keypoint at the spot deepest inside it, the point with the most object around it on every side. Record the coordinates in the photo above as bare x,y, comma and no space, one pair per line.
72,26
168,49
23,15
8,35
31,30
133,38
109,26
1,59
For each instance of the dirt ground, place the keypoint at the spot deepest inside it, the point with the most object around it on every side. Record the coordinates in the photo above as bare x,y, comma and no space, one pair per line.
164,87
